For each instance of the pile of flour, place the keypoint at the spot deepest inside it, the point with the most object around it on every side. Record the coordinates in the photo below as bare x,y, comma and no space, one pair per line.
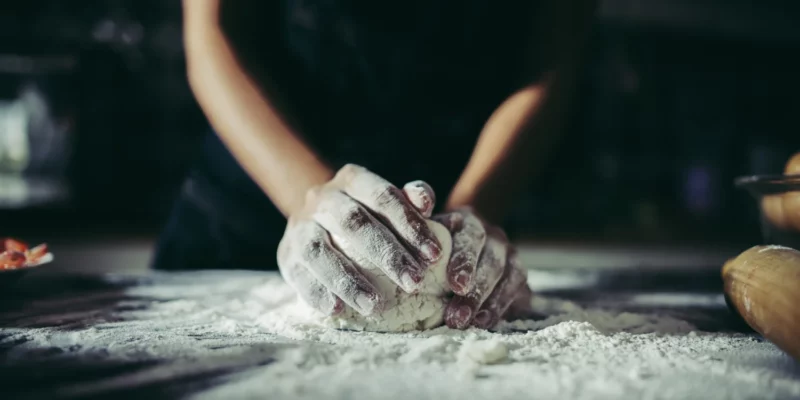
575,353
197,319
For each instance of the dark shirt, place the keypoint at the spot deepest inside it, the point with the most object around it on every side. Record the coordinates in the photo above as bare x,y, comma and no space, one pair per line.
402,89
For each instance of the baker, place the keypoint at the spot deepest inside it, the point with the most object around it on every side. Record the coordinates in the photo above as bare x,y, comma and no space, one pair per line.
318,106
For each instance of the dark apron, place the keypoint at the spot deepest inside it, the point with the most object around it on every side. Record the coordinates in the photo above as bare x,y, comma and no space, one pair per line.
402,92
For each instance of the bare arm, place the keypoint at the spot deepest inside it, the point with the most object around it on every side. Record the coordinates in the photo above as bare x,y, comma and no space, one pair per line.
524,128
246,119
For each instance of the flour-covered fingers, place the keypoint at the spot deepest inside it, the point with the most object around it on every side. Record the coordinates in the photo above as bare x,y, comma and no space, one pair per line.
347,219
503,296
334,270
421,195
393,208
491,266
300,278
521,307
310,290
469,238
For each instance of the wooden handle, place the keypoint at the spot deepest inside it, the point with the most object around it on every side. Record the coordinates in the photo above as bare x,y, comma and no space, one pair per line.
763,285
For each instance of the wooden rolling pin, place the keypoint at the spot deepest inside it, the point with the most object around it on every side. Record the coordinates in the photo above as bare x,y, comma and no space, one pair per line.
763,285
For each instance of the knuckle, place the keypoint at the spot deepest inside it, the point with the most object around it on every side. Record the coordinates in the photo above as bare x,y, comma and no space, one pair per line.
462,262
472,256
459,259
391,257
394,258
354,218
387,196
314,249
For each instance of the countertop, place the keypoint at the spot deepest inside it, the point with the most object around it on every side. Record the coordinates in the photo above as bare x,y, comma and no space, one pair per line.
212,335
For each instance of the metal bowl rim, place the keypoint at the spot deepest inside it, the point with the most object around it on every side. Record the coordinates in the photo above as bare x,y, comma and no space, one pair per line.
768,184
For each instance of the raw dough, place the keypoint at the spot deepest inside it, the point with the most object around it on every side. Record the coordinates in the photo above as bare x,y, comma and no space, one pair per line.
403,312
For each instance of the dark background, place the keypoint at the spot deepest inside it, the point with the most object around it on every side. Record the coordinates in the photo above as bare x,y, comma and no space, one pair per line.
677,99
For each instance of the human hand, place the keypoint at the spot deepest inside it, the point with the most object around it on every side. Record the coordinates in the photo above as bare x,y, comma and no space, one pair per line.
483,272
385,223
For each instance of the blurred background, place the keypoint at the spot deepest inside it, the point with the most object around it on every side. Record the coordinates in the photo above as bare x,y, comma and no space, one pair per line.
98,125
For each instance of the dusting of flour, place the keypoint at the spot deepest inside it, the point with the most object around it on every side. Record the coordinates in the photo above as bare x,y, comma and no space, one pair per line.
197,319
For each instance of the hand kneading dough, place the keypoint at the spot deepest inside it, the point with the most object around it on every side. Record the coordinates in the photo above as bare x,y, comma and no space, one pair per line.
402,312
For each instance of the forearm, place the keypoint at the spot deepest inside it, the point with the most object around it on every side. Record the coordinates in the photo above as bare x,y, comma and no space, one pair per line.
511,148
248,122
521,133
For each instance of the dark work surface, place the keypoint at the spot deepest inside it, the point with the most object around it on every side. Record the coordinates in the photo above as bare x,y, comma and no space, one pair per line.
73,303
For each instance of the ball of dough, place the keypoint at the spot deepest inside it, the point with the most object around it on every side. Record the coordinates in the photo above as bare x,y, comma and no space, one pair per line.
772,207
403,311
790,203
793,165
791,210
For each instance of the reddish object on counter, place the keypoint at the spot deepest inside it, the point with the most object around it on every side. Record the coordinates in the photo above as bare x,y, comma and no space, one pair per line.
16,254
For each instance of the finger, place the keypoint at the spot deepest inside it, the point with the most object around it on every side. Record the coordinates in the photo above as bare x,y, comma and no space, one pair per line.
469,238
521,307
503,296
335,271
300,279
491,266
310,290
421,196
345,218
390,204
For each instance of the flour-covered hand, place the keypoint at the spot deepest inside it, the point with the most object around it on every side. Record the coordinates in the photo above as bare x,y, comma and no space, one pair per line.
483,271
384,223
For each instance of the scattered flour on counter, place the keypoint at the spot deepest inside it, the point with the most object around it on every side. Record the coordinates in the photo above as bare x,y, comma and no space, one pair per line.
576,353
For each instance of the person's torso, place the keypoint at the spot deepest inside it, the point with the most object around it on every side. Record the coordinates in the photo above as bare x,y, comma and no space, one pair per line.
401,88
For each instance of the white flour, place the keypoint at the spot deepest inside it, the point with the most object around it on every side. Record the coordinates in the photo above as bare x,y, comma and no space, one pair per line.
575,354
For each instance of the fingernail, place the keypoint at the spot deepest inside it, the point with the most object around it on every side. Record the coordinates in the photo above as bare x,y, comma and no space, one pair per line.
483,319
461,318
410,281
431,251
460,283
338,306
367,303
